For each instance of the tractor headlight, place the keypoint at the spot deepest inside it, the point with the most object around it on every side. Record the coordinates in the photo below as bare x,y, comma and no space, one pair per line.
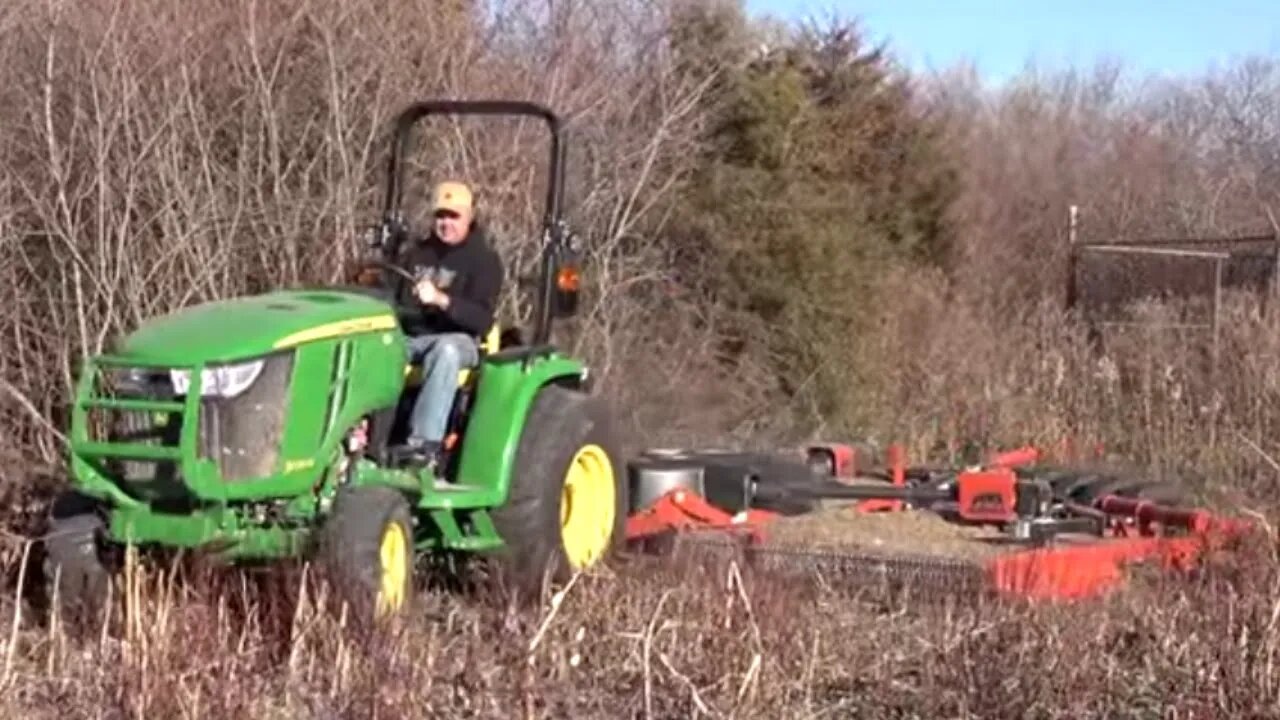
219,380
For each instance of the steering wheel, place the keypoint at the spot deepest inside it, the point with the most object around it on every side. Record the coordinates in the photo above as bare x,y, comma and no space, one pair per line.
365,266
384,265
385,290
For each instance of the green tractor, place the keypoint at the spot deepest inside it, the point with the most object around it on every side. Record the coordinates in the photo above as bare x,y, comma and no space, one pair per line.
266,427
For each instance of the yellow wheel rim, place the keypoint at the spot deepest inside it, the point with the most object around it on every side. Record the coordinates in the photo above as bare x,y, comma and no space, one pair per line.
587,506
394,557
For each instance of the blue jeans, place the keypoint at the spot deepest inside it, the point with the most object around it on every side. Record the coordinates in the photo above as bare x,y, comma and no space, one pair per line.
443,356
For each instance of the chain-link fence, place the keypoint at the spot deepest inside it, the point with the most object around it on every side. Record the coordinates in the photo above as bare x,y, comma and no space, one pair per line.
1107,282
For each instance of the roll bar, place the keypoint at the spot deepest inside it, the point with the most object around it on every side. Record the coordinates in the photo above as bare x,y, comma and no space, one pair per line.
391,232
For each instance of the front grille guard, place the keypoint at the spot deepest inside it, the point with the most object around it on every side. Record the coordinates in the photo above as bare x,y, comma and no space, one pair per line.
123,454
148,444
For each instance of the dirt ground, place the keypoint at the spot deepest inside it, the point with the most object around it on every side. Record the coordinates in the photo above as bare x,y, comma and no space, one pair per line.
840,528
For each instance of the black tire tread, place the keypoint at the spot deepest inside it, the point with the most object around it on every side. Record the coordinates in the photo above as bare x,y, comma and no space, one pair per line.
351,541
560,420
76,577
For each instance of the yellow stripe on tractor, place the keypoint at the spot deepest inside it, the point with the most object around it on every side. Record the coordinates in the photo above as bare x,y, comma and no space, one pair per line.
338,329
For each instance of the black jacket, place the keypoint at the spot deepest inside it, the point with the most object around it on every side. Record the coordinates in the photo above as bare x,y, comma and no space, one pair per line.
469,273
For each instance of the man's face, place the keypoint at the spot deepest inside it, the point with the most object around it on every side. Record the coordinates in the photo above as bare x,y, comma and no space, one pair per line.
451,226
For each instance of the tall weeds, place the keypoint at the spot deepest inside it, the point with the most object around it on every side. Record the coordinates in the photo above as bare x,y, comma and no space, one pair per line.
153,156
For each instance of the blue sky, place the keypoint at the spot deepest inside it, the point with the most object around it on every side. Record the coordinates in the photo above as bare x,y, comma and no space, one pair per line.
1000,36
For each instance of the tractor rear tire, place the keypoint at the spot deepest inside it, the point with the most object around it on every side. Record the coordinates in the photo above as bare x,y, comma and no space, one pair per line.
367,550
567,505
77,580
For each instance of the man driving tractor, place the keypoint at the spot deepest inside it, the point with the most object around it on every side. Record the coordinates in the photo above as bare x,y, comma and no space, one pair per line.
456,292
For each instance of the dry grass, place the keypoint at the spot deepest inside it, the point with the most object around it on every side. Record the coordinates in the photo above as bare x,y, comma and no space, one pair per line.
709,641
152,160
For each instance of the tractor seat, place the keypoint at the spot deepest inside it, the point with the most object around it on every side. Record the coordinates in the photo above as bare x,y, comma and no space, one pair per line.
489,344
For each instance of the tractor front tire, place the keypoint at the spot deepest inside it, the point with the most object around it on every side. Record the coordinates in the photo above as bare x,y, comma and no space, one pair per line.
567,505
367,550
77,579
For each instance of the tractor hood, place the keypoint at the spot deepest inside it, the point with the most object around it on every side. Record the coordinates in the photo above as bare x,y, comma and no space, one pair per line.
227,330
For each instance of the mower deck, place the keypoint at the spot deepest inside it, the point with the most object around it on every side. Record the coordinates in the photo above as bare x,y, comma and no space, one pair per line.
1083,551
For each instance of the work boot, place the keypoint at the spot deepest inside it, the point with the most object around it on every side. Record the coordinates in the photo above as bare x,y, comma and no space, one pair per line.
417,453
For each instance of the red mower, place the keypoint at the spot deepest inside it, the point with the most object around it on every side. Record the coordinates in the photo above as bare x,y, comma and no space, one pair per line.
1009,526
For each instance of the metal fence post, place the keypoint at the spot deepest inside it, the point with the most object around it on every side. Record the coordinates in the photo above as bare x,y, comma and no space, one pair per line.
1275,267
1217,322
1072,262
